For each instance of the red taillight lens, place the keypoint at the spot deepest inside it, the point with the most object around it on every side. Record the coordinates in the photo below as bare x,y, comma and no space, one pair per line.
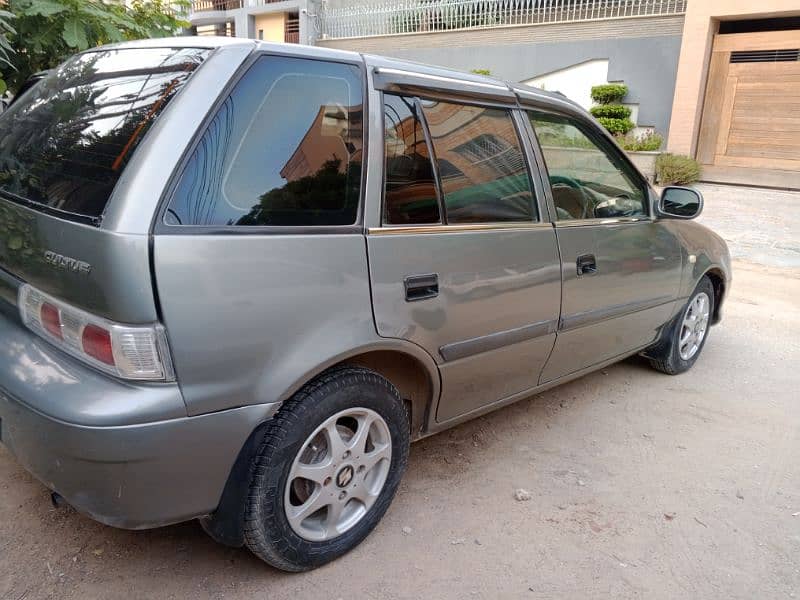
138,352
51,320
96,342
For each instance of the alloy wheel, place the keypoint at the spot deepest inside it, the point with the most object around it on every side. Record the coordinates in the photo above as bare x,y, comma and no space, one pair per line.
338,474
694,326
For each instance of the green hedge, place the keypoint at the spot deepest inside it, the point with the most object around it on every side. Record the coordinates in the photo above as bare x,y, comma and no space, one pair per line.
609,93
674,169
613,111
647,142
616,126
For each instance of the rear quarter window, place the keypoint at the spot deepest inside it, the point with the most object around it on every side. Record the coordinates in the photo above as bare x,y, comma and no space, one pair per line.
65,143
284,149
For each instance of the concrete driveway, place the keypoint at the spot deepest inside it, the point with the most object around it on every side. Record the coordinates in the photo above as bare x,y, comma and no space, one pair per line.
760,225
643,485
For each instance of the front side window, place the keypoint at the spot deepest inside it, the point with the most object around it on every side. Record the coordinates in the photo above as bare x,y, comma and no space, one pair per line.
285,149
587,178
484,176
410,186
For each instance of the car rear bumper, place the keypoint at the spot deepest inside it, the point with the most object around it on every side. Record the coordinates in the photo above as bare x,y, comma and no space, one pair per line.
101,443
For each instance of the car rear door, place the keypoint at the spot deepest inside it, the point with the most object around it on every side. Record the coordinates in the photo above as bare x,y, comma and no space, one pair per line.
621,268
461,262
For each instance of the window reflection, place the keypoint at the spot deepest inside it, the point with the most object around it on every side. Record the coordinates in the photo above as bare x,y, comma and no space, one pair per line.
410,193
65,143
481,164
284,149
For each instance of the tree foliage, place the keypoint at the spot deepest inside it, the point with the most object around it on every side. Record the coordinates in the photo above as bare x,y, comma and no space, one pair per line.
609,93
611,111
612,115
46,32
6,51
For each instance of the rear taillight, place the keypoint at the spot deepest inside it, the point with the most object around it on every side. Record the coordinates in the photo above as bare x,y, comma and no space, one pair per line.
130,352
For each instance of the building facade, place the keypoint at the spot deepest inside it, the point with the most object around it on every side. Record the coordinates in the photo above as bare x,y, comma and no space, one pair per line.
720,79
269,20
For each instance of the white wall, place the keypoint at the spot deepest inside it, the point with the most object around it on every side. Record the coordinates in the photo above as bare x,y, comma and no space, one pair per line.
576,81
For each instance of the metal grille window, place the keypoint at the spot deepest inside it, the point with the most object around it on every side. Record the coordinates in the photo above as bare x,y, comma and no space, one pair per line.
497,152
751,56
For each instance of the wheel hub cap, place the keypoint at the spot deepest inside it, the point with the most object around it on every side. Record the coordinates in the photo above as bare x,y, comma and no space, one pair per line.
345,476
338,474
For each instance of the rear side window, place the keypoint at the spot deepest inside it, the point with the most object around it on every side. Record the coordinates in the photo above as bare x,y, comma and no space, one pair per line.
65,143
484,177
285,149
410,195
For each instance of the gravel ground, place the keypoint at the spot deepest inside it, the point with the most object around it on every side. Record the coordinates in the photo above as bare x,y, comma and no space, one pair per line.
641,486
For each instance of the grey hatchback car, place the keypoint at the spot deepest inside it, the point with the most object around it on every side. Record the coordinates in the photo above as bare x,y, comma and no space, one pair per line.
237,279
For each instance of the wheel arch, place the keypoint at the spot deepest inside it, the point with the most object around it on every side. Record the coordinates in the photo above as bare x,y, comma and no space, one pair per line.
719,283
409,368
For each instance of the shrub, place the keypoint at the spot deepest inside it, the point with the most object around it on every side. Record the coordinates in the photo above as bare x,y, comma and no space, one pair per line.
647,142
613,111
616,126
677,169
609,92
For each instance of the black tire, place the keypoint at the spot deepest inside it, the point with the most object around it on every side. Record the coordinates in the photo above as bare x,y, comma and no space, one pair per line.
665,356
268,533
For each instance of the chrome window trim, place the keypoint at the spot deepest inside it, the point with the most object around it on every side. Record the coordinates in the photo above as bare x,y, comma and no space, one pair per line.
457,228
600,221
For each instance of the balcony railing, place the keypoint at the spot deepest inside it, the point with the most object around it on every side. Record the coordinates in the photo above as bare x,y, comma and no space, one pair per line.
392,17
206,5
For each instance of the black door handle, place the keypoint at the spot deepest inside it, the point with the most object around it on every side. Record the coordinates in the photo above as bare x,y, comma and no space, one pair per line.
587,264
421,287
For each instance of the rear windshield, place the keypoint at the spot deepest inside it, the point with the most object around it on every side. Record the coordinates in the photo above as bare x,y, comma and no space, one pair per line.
65,142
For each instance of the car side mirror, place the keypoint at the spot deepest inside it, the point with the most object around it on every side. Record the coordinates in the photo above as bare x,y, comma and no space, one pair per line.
680,203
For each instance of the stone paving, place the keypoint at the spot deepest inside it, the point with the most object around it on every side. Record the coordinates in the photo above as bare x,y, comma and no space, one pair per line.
760,225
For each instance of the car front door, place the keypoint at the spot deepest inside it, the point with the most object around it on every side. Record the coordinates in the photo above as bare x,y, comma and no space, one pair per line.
462,265
621,268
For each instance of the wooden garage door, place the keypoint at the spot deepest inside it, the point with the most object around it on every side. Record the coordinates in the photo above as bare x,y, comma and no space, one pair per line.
751,115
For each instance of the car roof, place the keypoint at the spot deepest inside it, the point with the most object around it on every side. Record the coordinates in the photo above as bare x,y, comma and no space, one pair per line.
478,85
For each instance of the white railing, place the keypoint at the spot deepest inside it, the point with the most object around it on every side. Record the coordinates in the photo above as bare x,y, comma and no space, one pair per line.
197,6
392,17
